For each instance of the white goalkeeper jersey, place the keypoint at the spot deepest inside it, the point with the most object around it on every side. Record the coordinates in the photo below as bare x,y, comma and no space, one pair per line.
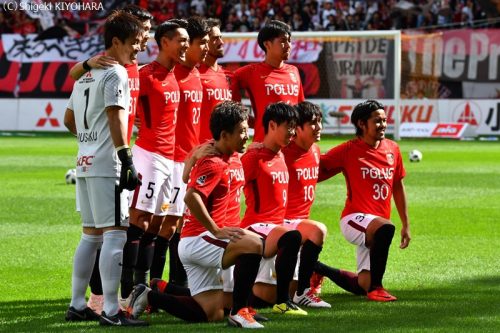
92,93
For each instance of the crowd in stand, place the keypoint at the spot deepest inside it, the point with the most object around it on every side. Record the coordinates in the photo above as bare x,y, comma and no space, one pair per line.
301,15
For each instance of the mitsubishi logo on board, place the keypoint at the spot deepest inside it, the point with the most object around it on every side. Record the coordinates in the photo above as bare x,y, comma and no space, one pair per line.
53,121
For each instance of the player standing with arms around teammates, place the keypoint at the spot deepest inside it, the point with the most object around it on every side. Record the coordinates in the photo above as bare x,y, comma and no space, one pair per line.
95,301
270,81
373,169
302,157
214,79
97,114
266,194
207,245
153,151
187,134
103,61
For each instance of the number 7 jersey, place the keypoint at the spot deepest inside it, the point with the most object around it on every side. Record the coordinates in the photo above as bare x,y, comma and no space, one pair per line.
92,94
369,173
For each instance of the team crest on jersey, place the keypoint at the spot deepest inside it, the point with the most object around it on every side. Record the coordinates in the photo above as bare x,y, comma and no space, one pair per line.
293,77
119,93
228,80
201,180
390,158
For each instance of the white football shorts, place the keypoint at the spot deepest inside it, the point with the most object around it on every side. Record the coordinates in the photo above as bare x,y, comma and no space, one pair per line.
100,202
177,205
155,172
202,260
353,227
267,271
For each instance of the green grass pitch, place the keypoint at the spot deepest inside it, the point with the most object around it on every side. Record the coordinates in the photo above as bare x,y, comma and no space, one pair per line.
448,280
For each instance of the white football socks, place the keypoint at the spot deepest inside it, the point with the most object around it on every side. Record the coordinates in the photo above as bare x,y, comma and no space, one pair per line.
110,265
83,264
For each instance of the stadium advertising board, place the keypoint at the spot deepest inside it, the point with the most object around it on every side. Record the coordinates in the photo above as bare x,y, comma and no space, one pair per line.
34,115
483,116
435,130
416,130
452,131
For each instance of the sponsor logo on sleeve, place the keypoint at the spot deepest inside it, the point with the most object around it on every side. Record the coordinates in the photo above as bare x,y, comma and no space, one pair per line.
201,180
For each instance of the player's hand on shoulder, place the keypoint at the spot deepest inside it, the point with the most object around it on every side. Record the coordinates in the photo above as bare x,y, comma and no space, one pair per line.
205,149
101,61
255,145
128,175
405,237
231,233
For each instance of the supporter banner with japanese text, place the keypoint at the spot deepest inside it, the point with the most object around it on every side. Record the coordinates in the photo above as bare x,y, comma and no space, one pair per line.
27,49
447,64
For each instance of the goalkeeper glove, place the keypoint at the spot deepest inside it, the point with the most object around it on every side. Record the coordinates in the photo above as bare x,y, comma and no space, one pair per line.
128,175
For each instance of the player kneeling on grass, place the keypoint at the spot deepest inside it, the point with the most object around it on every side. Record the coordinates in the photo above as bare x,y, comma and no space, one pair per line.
302,157
206,245
97,114
373,169
266,194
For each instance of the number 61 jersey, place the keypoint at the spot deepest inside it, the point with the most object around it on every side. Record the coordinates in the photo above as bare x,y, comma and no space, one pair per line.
369,172
92,94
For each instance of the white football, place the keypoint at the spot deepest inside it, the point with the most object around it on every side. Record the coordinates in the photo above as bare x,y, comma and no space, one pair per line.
70,176
415,155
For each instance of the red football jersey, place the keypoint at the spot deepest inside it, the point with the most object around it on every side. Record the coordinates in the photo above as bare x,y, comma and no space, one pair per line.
158,103
303,167
216,89
369,174
236,183
210,177
187,130
266,186
133,84
266,85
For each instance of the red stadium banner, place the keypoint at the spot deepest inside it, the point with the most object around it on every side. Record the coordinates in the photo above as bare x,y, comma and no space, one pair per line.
451,64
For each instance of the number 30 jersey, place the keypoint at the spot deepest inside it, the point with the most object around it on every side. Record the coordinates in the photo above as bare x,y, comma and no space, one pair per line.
369,172
92,94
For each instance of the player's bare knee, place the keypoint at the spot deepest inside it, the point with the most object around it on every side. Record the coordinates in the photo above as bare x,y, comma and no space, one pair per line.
323,230
251,244
318,233
140,218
